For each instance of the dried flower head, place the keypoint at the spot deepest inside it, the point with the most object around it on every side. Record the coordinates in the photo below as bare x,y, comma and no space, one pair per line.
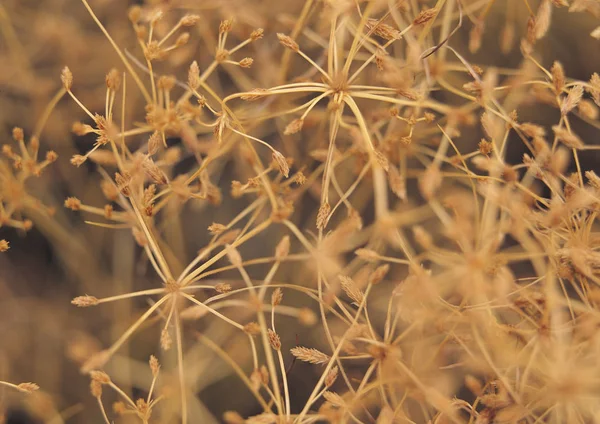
276,296
294,126
274,339
288,42
67,78
85,301
351,289
309,355
282,163
28,387
223,287
425,16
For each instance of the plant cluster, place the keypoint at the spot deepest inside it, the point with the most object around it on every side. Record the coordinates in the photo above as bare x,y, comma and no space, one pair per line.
381,213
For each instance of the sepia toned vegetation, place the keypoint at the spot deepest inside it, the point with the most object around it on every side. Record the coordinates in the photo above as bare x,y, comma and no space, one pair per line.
337,211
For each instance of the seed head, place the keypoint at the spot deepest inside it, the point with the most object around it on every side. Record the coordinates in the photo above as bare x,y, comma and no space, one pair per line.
254,94
379,274
382,30
165,339
351,289
382,160
18,134
73,203
216,228
367,254
288,42
252,328
78,160
67,78
166,82
229,237
425,16
312,356
154,172
225,26
51,156
113,80
85,301
4,245
531,32
572,100
96,389
123,181
323,215
542,19
223,288
182,39
588,109
332,375
397,183
485,147
246,62
194,75
282,163
300,178
307,317
257,34
274,339
189,20
154,365
134,14
568,138
28,387
119,408
294,126
79,128
475,36
100,376
276,297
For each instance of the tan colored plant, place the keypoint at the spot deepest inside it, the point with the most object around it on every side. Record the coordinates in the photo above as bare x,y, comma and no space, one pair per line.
391,231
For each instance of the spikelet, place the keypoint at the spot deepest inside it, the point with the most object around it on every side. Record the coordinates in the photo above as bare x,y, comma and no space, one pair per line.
351,289
310,355
425,16
288,42
382,30
543,18
572,100
282,164
294,126
28,387
274,339
323,215
276,296
67,78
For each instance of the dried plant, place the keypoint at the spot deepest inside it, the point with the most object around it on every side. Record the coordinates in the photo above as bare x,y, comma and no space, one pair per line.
337,211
